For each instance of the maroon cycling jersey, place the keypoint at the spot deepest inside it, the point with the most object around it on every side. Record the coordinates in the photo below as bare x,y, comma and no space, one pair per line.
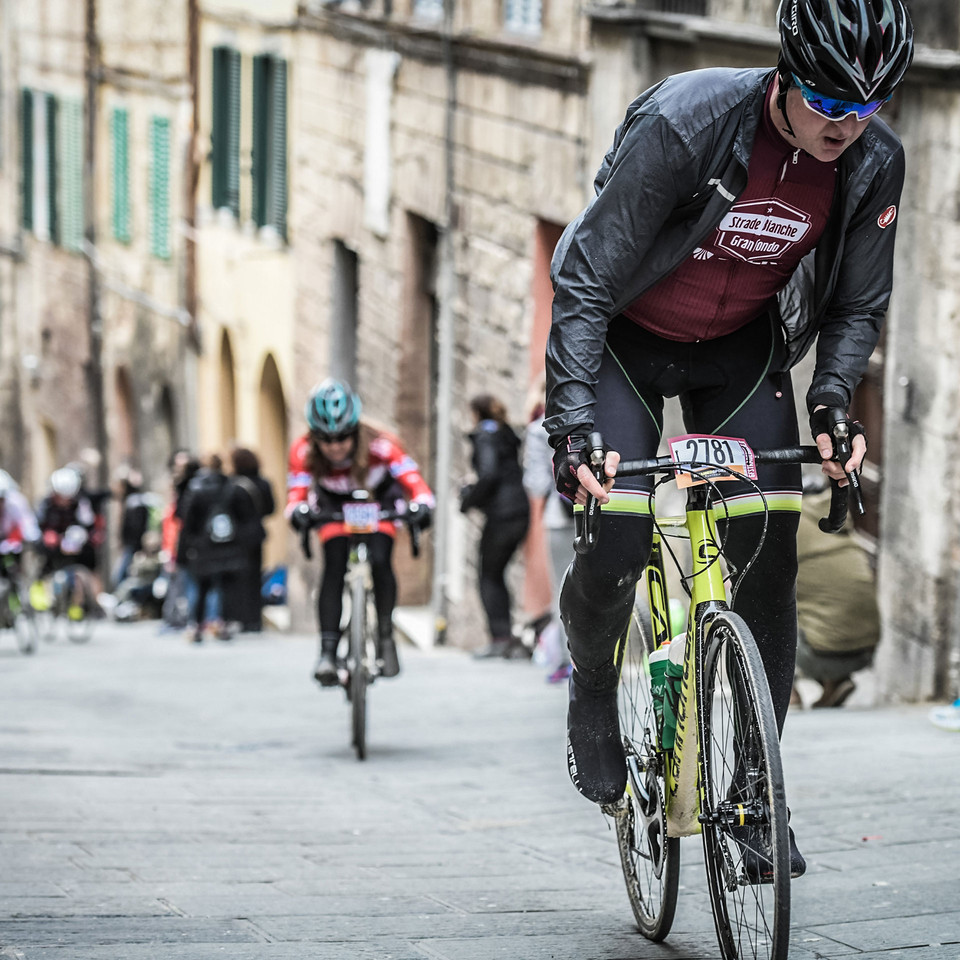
732,276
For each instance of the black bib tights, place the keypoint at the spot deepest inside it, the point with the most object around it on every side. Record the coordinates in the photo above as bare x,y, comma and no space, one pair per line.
725,387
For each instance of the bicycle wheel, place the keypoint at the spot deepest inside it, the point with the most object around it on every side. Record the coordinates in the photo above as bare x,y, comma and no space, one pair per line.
744,812
25,624
79,629
358,666
649,858
79,623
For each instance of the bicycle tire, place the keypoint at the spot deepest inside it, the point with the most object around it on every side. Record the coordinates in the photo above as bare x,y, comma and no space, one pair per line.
357,665
649,858
79,631
25,626
744,815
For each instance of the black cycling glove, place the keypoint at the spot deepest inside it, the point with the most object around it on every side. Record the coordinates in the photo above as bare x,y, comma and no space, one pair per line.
823,420
301,517
570,452
419,515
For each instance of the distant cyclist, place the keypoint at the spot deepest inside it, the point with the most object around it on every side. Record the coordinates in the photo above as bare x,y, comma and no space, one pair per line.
337,456
67,520
741,215
18,523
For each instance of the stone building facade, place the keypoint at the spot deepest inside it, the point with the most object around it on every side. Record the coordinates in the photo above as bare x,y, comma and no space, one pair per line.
94,324
443,164
489,146
246,282
372,189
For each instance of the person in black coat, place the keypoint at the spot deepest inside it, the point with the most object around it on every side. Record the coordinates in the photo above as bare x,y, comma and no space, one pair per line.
134,521
216,511
242,599
499,494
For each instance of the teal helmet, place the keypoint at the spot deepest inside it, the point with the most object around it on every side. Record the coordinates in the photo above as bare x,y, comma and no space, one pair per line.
333,410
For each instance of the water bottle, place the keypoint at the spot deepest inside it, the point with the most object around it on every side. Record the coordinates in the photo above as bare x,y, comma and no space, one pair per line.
672,681
658,665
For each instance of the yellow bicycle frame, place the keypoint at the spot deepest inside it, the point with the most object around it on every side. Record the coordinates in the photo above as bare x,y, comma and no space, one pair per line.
706,587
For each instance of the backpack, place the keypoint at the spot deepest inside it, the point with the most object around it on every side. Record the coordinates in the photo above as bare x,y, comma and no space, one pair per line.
220,526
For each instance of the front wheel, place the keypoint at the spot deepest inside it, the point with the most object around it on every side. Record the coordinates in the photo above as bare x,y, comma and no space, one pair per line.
744,813
649,858
357,664
25,625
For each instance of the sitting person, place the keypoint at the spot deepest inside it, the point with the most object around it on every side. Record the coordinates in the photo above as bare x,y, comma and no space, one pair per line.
136,595
836,604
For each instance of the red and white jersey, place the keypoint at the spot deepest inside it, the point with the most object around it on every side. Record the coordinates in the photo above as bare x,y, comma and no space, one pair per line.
17,520
389,466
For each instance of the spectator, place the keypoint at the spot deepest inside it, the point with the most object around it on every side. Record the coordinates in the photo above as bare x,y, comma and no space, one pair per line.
559,528
242,600
134,520
214,511
836,605
179,590
498,493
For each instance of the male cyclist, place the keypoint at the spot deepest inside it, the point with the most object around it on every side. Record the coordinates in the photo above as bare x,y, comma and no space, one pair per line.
740,215
67,519
337,456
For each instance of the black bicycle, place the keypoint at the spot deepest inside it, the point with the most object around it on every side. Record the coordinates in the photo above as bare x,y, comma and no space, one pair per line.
358,667
16,613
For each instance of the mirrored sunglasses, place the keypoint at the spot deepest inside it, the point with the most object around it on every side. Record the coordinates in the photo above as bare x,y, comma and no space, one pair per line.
834,109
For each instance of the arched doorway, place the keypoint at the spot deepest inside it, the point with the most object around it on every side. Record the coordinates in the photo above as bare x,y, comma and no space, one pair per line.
273,443
125,426
228,395
166,424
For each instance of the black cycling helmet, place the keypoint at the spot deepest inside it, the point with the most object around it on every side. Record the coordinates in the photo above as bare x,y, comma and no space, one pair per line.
855,50
333,410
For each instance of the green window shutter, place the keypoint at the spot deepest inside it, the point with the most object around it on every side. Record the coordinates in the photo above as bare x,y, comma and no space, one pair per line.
261,139
26,158
53,221
277,189
225,131
216,130
120,129
70,173
160,187
270,142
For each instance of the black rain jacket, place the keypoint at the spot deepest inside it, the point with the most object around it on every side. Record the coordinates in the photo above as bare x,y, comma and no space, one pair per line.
678,163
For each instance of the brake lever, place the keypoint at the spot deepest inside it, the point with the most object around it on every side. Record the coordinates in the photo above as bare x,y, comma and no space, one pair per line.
305,543
843,446
586,540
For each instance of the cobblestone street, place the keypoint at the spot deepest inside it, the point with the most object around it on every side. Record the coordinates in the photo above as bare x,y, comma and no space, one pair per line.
160,801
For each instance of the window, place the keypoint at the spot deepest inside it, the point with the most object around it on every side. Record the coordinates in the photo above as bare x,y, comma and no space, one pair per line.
428,9
26,158
523,16
225,132
52,176
269,161
160,187
69,170
119,129
53,222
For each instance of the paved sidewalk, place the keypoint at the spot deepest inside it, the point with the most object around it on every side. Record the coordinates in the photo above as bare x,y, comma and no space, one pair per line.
160,801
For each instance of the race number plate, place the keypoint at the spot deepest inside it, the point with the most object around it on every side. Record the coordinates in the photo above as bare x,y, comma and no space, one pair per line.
361,517
713,458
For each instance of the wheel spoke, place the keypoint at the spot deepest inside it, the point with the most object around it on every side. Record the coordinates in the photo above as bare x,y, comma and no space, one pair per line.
649,858
744,810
